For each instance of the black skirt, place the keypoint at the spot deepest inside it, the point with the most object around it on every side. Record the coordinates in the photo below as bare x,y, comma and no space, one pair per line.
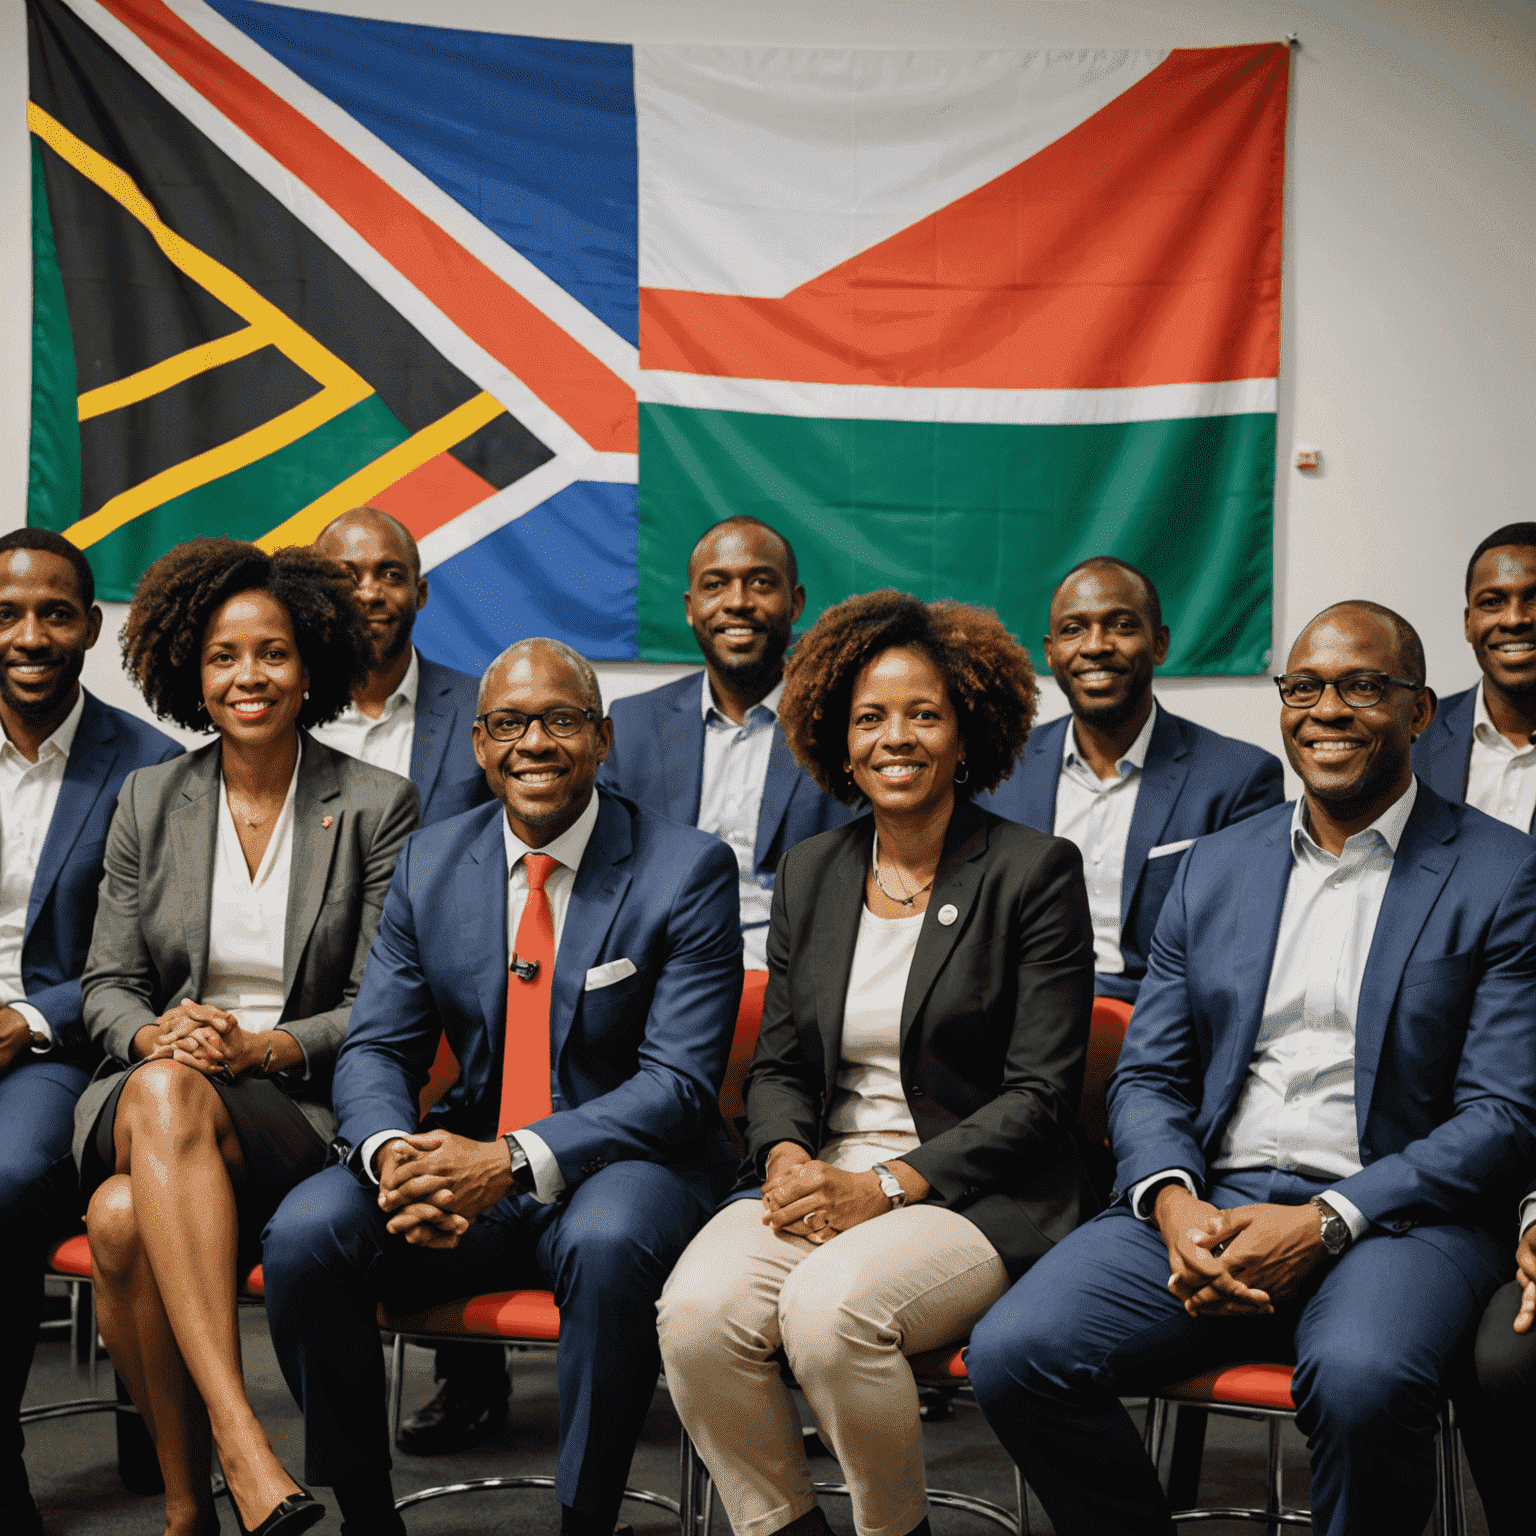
280,1146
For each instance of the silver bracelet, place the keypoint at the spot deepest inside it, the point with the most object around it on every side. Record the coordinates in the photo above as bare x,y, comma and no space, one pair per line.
266,1061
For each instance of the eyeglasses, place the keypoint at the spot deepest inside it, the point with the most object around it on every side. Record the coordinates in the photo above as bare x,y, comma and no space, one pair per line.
1360,690
512,724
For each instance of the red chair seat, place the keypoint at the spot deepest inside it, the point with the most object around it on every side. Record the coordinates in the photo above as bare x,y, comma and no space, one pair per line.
495,1315
73,1257
1245,1386
940,1367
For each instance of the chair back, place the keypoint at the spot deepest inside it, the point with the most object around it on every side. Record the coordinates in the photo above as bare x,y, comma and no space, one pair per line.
1106,1034
749,1021
441,1076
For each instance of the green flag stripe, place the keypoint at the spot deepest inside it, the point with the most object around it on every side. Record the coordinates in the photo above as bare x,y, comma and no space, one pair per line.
250,501
53,471
988,514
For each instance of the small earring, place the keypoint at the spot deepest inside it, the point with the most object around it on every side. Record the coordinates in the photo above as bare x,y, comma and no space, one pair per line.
960,770
306,693
202,708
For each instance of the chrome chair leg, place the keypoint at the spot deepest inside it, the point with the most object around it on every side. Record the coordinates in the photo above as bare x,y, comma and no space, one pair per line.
1275,1502
396,1388
1022,1494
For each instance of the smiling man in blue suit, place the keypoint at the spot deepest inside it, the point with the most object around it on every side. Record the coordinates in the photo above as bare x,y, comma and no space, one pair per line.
709,751
1330,1079
1131,784
63,758
580,1148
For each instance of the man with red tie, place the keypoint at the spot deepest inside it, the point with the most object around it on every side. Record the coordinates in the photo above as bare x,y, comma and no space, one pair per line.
583,959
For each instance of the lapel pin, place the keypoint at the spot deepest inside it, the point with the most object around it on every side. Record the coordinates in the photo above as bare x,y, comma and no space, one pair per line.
325,825
948,913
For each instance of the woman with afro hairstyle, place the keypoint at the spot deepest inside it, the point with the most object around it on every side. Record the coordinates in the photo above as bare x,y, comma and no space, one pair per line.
243,888
911,1103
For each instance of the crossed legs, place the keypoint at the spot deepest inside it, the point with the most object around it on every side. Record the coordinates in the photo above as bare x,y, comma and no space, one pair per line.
164,1232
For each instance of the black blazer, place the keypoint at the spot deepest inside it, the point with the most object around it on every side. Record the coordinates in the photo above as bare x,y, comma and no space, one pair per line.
994,1026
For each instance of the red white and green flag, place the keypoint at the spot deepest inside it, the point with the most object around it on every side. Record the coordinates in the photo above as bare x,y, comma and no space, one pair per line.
952,320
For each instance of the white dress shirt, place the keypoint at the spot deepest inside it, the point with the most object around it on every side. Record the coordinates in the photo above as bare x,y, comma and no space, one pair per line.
1501,776
567,850
868,1094
730,798
1096,814
247,918
385,742
1296,1108
29,795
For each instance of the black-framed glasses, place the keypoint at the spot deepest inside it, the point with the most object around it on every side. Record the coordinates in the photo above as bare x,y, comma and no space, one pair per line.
512,724
1360,690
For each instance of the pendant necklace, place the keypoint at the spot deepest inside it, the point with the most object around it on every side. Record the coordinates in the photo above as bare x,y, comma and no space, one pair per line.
901,901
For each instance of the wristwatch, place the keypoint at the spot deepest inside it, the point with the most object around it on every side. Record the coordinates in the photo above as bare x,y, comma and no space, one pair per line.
1336,1233
890,1186
522,1169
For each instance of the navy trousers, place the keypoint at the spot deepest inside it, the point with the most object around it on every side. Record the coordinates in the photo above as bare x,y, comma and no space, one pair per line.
37,1205
605,1252
1375,1338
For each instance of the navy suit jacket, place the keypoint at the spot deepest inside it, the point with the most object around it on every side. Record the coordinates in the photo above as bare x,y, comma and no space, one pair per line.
109,744
1442,756
443,766
1445,1072
1193,782
658,762
635,1066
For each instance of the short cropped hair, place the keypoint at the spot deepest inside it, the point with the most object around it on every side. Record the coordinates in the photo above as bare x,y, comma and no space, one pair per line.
1510,533
754,522
56,544
1409,647
1154,602
180,593
579,664
987,673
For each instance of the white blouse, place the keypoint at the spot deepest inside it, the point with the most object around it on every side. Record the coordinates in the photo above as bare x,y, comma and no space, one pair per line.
868,1094
247,919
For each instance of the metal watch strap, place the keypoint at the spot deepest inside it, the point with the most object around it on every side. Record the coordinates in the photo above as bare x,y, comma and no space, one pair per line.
522,1169
890,1186
1335,1230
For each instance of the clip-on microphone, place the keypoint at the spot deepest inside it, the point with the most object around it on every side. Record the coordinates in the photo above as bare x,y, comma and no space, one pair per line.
524,970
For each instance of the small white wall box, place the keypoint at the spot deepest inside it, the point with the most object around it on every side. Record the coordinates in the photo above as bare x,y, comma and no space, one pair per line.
1309,458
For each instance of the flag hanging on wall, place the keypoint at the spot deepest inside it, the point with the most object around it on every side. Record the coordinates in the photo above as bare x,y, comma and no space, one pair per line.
952,320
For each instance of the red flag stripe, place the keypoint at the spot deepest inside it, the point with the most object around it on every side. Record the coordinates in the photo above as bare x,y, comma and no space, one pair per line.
583,391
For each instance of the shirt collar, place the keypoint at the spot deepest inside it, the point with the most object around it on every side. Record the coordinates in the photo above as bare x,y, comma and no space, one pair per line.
404,695
63,739
710,711
1135,755
1388,827
567,849
1487,733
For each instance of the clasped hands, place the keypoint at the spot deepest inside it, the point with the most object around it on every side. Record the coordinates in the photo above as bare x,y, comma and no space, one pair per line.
1269,1250
433,1186
805,1197
201,1036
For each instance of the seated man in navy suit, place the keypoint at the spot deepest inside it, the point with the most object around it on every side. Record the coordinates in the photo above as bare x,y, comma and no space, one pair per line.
416,718
581,1147
1482,745
62,761
1132,785
1323,1114
710,752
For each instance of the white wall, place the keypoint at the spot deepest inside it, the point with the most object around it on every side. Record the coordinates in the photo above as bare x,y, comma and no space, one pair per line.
1408,346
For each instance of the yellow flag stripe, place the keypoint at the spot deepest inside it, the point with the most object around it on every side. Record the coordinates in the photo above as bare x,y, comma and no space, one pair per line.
461,422
341,388
171,371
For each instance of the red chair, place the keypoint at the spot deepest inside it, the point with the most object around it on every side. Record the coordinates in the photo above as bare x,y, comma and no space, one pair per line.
1261,1391
528,1320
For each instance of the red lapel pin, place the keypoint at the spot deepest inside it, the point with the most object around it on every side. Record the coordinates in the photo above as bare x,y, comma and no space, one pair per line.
325,826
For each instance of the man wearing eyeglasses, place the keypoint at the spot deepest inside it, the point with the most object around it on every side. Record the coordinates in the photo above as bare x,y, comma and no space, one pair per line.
583,959
1323,1114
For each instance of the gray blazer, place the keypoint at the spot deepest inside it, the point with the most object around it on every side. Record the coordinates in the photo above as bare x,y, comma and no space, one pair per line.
149,948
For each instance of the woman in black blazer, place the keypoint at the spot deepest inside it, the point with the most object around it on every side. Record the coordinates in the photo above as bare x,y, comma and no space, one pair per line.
910,1107
242,891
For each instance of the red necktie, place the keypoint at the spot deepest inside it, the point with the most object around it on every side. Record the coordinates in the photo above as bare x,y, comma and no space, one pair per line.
525,1052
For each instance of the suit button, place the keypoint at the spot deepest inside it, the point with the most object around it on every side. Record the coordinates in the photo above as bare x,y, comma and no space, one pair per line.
1401,1226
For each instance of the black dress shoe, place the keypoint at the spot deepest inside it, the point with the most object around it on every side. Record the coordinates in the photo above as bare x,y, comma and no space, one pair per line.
453,1421
296,1513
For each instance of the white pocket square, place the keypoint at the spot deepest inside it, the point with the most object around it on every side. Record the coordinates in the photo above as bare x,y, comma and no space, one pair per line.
605,975
1167,848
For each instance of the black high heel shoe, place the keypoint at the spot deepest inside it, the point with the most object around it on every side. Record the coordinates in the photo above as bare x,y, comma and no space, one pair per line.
296,1513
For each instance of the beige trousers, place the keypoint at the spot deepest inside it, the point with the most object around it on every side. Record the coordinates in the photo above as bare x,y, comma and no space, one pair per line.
846,1313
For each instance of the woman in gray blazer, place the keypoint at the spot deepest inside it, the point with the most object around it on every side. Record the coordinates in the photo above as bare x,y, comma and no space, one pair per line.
910,1106
243,888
